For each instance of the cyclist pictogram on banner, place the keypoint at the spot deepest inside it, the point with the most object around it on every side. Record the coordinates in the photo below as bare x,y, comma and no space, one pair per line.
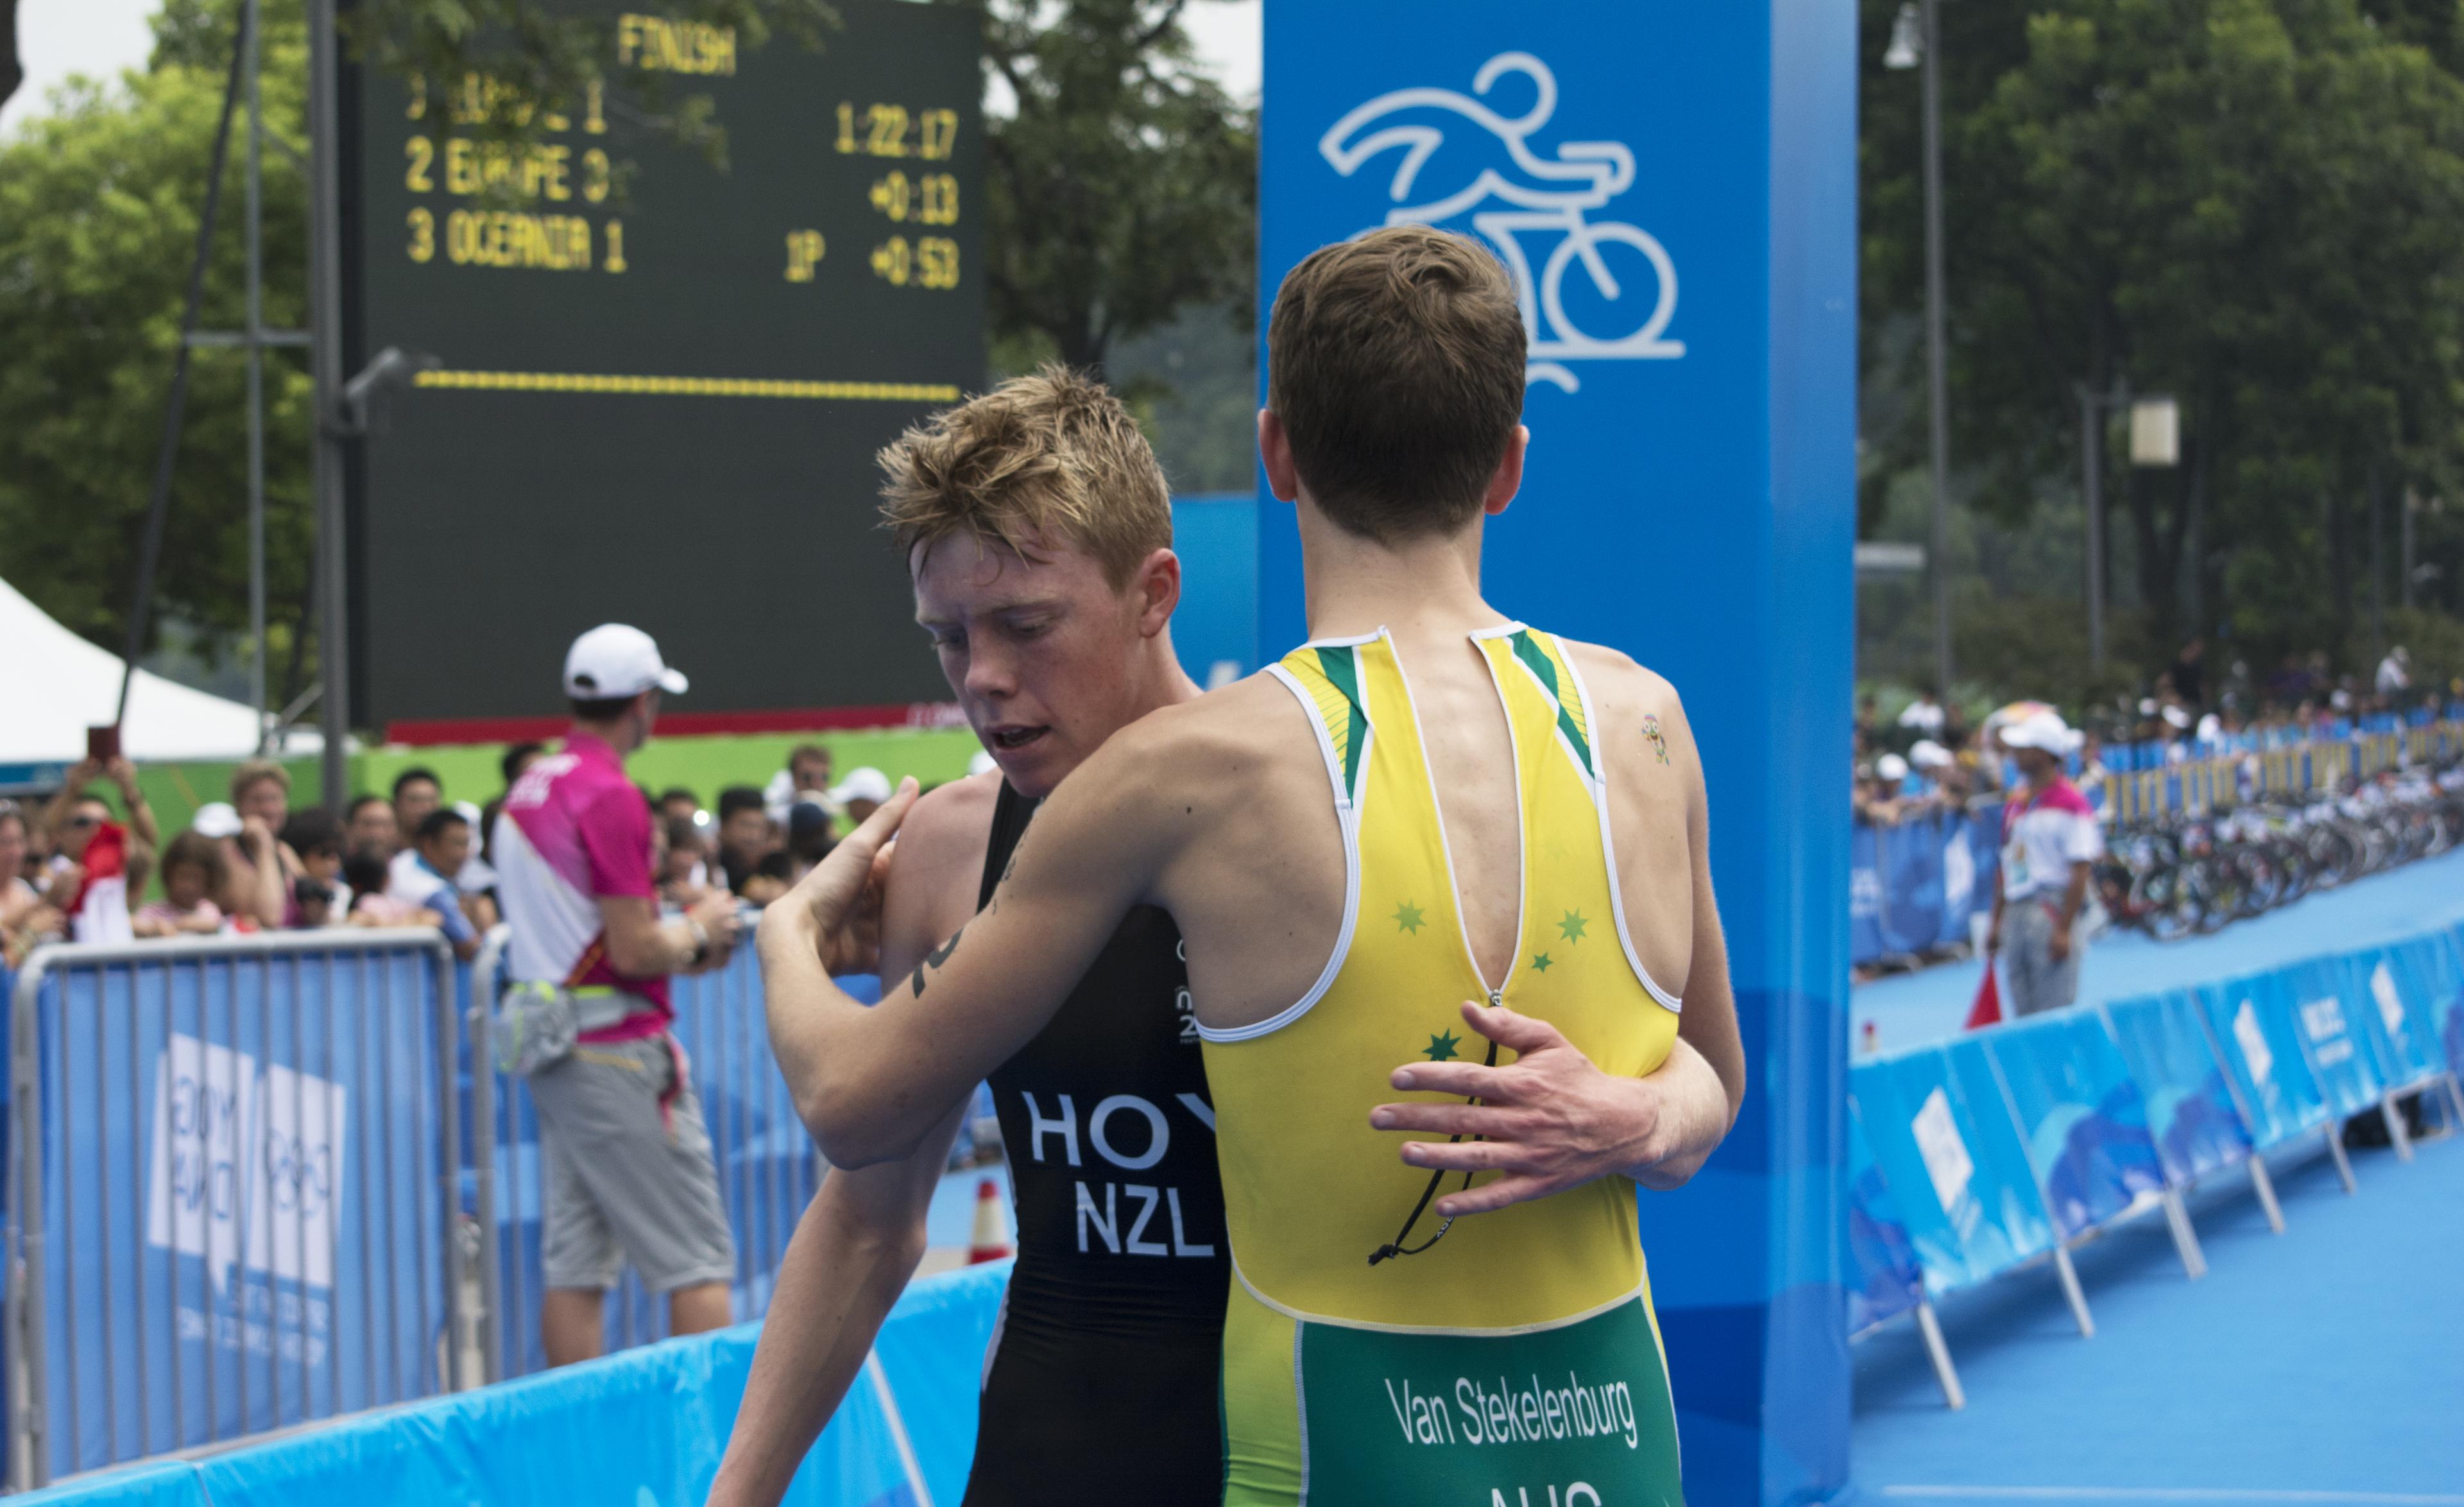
1446,172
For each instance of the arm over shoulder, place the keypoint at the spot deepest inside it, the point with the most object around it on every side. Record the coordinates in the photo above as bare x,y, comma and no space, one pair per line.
872,1084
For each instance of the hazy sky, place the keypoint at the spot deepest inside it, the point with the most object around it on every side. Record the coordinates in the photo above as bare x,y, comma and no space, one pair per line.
99,37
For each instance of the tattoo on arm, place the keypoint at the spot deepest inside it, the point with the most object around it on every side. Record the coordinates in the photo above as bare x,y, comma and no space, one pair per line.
934,960
1007,869
1657,740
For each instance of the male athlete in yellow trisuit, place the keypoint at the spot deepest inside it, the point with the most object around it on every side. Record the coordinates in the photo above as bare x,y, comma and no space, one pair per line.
1430,826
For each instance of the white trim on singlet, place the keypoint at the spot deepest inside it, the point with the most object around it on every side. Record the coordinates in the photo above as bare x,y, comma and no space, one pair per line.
1638,1290
1608,844
1347,817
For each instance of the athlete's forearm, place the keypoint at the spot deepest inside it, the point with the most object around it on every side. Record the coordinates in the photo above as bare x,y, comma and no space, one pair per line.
1682,1112
851,1256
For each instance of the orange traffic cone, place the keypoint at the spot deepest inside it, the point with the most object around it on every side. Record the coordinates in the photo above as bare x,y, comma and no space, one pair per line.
991,1239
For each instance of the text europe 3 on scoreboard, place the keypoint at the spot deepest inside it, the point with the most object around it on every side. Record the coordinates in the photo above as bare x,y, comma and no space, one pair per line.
659,392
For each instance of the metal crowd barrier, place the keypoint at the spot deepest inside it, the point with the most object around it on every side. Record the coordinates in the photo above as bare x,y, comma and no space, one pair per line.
2219,779
768,1167
2003,1148
232,1193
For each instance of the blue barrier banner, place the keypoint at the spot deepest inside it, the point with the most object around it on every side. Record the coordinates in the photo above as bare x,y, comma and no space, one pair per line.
1965,1194
2191,1108
2250,1021
2377,980
2086,1126
1912,884
240,1166
1865,897
165,1485
2447,996
644,1429
1884,1280
2315,992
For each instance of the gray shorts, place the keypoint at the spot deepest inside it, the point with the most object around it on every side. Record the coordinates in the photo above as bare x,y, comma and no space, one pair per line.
624,1182
2037,982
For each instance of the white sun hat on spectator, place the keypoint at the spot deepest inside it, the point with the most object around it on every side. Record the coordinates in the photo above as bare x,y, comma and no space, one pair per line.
1892,767
2045,730
866,783
615,660
1930,755
216,819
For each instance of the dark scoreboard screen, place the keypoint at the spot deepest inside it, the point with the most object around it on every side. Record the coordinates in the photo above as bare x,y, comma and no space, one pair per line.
660,392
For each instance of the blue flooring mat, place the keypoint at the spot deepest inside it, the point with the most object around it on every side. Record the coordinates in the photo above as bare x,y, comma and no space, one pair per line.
2323,1365
1912,1009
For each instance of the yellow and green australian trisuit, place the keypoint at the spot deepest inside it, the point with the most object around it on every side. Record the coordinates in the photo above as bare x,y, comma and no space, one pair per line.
1517,1360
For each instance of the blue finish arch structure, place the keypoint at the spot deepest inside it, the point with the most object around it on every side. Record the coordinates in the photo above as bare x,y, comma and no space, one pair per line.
1674,187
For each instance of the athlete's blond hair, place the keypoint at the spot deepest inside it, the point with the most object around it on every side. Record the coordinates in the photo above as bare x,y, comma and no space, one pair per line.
1052,458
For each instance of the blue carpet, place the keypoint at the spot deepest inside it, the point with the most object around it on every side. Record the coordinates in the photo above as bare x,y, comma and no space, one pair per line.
2323,1365
1912,1009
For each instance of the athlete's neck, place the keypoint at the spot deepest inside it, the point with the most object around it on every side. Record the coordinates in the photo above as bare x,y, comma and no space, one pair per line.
1422,587
1156,680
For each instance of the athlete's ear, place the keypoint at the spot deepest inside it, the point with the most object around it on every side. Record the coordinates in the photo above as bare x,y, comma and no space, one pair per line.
1156,585
1507,479
1275,450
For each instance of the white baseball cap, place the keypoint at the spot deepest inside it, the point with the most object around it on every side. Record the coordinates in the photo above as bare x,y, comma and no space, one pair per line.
615,660
216,819
866,783
1930,755
1892,767
2045,730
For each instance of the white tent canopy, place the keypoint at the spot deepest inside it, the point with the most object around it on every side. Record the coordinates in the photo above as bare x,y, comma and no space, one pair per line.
54,685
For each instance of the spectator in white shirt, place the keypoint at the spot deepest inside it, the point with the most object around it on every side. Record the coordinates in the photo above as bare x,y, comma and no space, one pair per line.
1924,714
2395,673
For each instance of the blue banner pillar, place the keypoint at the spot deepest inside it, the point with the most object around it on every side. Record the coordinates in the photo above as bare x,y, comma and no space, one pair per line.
1673,187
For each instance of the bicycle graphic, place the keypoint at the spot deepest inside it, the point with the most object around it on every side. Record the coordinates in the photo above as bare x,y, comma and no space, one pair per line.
1546,194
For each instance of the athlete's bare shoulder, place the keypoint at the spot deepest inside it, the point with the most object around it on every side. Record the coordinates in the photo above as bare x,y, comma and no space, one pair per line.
1636,708
1656,802
939,856
1212,747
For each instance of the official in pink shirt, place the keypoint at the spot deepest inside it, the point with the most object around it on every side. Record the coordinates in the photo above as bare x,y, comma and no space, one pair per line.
629,1168
2050,837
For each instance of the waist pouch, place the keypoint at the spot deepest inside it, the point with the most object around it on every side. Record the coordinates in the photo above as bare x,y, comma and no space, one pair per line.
534,1027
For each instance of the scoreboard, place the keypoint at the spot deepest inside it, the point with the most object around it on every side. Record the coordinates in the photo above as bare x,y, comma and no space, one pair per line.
660,385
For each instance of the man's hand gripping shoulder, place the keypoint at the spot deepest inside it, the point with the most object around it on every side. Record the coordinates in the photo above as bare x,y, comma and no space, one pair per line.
873,1084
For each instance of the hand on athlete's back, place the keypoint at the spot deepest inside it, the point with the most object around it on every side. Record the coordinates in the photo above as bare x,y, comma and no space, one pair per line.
836,909
1548,1121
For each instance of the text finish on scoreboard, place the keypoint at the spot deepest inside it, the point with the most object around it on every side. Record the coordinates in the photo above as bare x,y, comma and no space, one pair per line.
659,400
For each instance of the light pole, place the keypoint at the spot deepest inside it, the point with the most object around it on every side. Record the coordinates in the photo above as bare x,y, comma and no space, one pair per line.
1916,39
2155,440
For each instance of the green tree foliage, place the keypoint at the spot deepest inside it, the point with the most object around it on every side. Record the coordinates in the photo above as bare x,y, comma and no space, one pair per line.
2257,206
99,206
1123,186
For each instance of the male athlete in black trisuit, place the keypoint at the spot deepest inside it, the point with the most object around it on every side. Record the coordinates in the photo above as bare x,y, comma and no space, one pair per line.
1102,1382
1104,1366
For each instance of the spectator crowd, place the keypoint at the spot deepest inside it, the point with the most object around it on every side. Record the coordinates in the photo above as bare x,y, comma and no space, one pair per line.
78,868
1931,759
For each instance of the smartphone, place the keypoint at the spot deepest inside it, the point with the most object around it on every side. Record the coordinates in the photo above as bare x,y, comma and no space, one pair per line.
102,743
